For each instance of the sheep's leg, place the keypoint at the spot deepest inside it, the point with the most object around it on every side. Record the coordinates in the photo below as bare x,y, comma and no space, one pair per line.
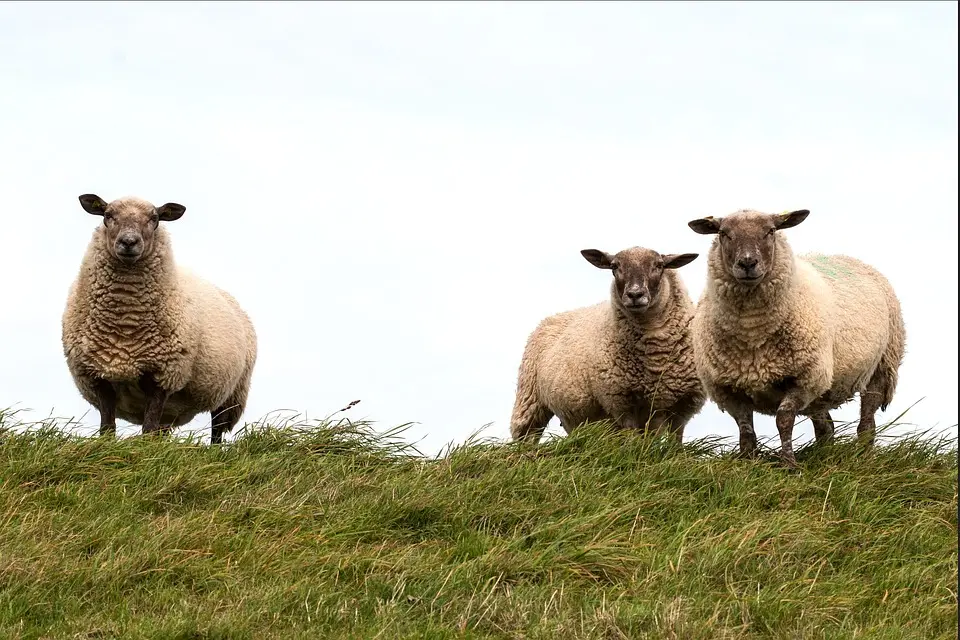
107,402
663,422
870,400
657,422
822,426
568,424
681,413
786,417
156,398
743,416
624,411
628,420
223,419
794,400
218,426
740,408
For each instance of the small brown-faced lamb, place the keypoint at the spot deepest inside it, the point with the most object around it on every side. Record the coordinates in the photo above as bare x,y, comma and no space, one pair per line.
146,340
628,359
788,336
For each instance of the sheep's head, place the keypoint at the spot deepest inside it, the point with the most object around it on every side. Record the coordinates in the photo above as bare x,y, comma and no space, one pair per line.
130,224
637,274
747,241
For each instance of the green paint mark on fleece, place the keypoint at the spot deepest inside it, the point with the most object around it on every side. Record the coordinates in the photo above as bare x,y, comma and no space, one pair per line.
829,267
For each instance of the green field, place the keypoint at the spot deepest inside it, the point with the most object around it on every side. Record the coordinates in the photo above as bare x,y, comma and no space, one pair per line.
332,532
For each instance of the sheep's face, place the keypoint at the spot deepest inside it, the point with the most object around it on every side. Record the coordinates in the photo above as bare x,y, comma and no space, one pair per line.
129,224
747,241
637,274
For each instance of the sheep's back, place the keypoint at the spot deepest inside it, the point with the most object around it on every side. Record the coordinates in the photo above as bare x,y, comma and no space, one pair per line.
860,314
570,348
228,344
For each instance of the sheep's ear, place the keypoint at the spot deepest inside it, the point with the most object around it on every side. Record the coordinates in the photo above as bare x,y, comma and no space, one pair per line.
171,211
93,203
677,260
706,226
790,219
597,258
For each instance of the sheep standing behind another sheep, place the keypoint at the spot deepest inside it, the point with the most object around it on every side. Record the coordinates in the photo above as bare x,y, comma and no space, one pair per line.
146,340
788,336
628,359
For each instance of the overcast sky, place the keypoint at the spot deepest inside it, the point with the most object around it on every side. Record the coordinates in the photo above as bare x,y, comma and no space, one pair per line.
398,193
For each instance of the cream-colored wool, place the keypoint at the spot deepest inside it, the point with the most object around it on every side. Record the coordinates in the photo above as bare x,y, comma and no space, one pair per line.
829,325
154,317
600,362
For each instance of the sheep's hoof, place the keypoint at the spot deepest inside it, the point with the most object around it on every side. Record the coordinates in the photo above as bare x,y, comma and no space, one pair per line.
790,462
867,440
748,452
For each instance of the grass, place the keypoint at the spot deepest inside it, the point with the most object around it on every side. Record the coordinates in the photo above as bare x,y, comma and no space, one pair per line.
334,532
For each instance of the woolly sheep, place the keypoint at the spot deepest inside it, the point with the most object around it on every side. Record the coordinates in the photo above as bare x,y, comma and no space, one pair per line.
628,359
788,336
146,340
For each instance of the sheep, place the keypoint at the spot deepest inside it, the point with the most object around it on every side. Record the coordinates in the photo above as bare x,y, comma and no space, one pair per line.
787,336
628,359
146,340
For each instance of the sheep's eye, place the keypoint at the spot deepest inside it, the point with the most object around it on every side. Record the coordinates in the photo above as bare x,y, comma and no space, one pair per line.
614,266
724,235
108,216
771,232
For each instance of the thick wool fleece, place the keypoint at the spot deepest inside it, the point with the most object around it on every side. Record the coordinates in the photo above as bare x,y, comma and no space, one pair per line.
829,323
597,363
152,317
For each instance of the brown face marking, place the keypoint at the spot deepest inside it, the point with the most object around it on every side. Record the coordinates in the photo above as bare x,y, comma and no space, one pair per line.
130,224
748,240
637,273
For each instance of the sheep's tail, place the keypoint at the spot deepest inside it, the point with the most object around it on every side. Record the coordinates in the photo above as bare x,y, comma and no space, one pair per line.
889,368
530,416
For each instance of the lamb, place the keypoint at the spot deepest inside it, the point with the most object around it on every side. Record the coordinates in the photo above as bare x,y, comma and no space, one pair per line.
628,359
788,336
146,340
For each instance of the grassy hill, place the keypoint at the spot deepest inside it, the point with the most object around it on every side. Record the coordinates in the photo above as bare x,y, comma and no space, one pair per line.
332,532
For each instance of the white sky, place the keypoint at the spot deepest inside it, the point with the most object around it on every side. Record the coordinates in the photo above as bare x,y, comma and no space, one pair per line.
397,193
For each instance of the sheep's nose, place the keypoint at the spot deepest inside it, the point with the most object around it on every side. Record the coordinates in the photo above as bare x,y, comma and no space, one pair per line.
128,242
637,294
747,262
